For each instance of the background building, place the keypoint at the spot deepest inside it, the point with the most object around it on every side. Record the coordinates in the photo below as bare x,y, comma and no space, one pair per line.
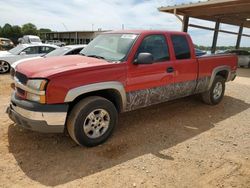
71,37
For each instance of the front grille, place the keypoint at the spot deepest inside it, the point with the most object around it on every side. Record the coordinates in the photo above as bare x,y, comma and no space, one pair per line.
20,92
21,78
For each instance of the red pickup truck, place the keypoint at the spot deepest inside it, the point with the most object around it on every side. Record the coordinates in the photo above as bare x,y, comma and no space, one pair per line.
117,72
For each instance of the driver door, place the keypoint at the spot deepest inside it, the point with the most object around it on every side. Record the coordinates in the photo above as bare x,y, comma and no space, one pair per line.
29,52
149,84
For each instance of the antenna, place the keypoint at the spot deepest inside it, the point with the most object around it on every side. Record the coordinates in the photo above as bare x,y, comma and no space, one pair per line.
65,27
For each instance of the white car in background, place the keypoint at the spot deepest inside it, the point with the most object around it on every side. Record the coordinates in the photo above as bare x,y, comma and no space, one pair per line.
56,42
30,39
65,50
23,51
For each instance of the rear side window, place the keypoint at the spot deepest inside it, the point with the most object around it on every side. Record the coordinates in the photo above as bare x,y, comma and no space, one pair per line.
181,47
31,50
45,49
156,45
74,52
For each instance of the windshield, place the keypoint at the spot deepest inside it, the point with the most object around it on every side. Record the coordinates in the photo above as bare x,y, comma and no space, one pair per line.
58,52
16,50
35,40
112,47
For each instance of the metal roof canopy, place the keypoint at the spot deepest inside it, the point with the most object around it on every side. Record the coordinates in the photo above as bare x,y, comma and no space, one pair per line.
233,12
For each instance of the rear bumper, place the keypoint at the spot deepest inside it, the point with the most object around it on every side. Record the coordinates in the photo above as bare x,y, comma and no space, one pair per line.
38,117
232,75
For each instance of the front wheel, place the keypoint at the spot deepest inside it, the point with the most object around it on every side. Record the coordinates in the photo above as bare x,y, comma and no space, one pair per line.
215,94
91,121
4,67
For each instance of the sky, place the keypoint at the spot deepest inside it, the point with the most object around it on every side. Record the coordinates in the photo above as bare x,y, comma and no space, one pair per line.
63,15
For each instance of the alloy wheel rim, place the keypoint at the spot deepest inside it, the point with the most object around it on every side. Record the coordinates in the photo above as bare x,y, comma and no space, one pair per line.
96,123
4,67
217,90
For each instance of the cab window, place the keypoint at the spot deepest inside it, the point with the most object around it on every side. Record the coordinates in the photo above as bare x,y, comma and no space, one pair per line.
181,47
155,45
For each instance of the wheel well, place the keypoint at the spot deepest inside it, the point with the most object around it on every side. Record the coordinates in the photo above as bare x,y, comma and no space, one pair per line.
109,94
223,73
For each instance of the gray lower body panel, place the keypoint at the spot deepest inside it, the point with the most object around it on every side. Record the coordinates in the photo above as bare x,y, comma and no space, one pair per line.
143,98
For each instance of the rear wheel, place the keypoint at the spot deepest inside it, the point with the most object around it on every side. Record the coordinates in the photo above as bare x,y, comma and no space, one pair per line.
91,121
4,67
215,94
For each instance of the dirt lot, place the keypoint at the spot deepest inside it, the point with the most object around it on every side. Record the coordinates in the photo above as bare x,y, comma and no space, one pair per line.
183,143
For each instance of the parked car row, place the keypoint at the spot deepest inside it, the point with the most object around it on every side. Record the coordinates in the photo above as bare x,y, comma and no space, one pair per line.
7,44
66,50
24,52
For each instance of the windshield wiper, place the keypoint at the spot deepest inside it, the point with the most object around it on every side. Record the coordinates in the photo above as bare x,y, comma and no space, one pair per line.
96,56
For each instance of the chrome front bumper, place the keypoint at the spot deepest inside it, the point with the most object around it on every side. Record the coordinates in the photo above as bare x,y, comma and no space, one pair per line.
37,117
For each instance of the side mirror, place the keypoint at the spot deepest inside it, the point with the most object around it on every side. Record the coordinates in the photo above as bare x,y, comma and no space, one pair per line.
23,53
144,58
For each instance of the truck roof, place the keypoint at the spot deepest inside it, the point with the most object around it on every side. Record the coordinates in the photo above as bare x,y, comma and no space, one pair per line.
147,32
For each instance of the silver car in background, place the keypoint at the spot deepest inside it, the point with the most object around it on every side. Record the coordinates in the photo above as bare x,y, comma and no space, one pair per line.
243,57
65,50
23,51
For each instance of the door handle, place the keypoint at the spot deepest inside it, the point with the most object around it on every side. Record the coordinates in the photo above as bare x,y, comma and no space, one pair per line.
170,69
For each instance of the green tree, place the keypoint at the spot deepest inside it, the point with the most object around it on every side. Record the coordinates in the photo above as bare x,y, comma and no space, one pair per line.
16,33
29,29
44,30
6,30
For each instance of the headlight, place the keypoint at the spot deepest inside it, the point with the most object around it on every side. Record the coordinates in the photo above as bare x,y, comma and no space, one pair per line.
36,85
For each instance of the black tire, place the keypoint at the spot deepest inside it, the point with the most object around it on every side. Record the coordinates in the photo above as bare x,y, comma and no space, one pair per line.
4,67
80,114
209,97
248,65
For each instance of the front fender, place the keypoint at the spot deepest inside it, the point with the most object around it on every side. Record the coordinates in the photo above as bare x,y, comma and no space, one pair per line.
72,94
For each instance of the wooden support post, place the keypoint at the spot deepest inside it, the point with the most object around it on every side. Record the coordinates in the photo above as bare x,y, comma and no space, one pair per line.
239,37
76,38
215,38
185,24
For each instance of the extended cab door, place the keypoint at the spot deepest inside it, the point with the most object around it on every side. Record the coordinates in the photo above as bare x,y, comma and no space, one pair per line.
146,83
186,65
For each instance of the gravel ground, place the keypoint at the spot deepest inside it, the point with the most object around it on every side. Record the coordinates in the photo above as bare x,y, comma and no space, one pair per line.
183,143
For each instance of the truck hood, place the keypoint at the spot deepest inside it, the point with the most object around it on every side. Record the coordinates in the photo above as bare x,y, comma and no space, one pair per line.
13,65
48,67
